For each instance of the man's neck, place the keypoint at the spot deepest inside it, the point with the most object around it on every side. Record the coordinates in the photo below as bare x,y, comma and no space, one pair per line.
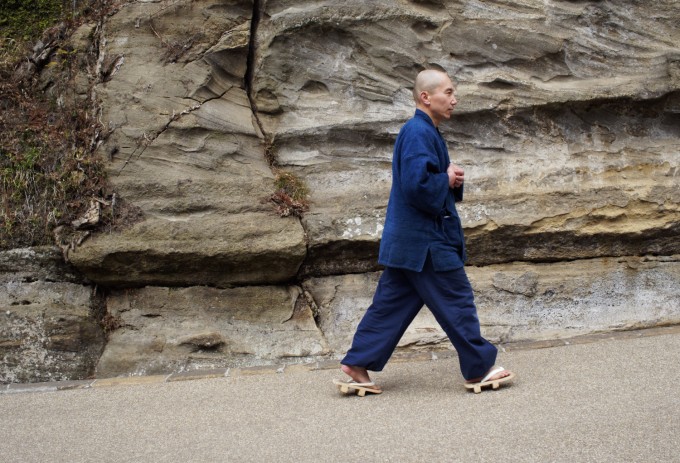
427,111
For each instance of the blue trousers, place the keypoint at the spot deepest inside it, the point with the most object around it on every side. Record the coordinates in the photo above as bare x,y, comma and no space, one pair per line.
398,299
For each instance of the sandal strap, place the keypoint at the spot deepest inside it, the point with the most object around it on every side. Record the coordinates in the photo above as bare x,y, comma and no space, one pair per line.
354,383
491,373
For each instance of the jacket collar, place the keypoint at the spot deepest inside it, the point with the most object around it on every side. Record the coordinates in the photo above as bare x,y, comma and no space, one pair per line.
423,115
420,114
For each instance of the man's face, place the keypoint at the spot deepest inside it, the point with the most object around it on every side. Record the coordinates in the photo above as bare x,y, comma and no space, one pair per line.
442,101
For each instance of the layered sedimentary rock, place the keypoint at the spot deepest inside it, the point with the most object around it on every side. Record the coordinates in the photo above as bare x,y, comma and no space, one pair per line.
186,149
174,329
50,328
521,302
567,124
568,128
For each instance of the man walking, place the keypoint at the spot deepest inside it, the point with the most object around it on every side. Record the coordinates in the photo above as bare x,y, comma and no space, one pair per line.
423,251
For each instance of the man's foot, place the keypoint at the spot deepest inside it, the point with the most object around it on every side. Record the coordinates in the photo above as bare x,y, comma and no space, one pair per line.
501,374
360,383
358,374
494,378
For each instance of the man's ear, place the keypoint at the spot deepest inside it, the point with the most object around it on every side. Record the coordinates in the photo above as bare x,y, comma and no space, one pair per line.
425,98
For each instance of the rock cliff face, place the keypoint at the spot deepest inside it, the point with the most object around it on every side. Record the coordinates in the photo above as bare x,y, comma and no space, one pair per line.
568,127
49,321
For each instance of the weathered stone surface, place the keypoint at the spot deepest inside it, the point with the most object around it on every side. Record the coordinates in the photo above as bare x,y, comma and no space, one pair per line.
568,133
534,302
48,331
176,329
215,250
185,149
572,182
523,301
38,263
568,127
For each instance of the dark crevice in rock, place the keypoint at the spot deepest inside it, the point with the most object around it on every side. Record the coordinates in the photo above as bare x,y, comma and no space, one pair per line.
250,64
339,258
249,80
269,155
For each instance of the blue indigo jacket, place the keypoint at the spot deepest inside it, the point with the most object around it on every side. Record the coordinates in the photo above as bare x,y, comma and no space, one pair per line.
421,212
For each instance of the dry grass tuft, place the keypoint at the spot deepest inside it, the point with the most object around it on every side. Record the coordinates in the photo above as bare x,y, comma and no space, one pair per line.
291,196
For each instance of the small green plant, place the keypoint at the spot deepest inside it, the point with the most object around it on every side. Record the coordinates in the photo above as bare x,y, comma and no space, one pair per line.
25,20
291,196
291,185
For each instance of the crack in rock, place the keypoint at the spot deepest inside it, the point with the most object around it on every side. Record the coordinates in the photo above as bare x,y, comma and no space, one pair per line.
175,117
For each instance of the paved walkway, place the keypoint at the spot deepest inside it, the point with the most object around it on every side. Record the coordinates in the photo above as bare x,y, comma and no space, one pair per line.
611,399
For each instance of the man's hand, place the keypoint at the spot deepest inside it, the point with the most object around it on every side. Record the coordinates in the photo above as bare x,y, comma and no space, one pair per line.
456,176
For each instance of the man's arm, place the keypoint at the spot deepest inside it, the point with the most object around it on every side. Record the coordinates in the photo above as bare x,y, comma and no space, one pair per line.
423,184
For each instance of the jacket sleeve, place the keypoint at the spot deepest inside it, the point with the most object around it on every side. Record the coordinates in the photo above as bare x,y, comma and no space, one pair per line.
422,182
458,193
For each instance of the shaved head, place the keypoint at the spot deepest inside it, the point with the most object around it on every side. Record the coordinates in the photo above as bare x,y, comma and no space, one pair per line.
428,81
435,94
